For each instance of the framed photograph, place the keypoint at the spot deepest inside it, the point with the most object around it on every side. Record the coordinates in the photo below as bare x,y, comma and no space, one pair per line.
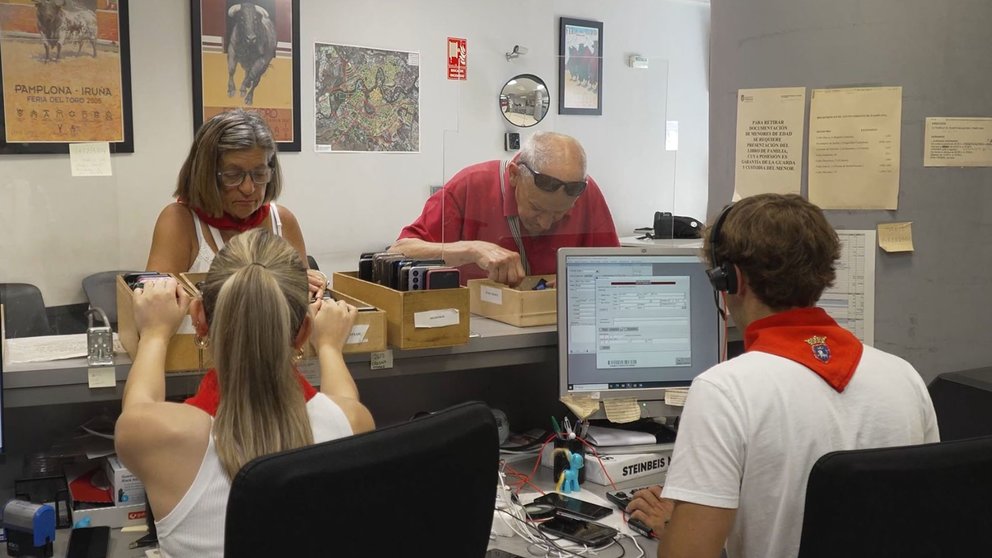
580,66
65,75
246,54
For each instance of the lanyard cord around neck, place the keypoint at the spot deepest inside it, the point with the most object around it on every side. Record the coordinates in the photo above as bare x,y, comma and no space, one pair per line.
513,221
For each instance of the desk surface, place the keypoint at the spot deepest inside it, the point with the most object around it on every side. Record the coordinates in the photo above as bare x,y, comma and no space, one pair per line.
590,492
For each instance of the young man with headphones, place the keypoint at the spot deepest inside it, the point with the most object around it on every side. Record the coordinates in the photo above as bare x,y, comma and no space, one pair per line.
753,426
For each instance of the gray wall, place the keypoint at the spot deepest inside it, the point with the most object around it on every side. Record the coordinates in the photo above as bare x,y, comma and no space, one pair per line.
931,305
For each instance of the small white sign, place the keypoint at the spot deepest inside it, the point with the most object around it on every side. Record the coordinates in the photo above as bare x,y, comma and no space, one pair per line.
436,318
90,159
413,59
491,295
672,135
102,377
357,334
381,360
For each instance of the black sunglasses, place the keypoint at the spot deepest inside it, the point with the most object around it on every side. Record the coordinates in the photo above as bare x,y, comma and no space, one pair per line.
552,184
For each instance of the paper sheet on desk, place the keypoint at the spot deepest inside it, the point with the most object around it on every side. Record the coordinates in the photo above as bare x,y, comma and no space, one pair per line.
602,436
47,348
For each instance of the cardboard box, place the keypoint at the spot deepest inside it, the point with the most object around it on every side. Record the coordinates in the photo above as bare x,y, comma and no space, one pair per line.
621,467
182,354
368,334
521,306
125,488
414,319
112,516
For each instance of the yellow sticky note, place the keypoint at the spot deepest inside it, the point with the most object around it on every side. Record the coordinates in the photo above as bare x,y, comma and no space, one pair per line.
582,405
896,237
622,410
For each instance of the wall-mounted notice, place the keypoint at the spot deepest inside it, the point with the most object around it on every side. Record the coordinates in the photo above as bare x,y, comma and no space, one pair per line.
769,141
958,142
851,299
457,58
854,137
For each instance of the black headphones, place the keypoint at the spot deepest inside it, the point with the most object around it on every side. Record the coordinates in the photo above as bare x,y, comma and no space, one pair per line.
722,275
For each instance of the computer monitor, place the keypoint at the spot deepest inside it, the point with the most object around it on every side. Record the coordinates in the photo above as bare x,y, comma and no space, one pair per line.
634,321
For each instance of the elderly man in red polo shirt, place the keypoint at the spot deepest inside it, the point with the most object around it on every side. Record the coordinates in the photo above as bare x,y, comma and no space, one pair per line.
506,220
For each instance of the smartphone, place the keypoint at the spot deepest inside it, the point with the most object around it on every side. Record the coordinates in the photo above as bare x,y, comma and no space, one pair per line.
443,278
88,542
574,506
135,280
579,530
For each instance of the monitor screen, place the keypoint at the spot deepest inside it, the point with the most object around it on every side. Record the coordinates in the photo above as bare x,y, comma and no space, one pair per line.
633,321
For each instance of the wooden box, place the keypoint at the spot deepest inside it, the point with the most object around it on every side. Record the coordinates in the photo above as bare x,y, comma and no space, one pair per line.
414,319
368,333
520,306
182,354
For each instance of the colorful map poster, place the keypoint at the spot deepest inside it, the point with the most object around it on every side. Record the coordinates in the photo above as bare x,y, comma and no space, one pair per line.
367,99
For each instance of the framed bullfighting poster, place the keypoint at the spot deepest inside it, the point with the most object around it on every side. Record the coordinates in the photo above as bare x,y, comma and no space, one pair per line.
66,77
580,66
246,54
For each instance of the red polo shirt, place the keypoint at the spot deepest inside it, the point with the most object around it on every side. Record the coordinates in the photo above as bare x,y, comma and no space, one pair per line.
470,207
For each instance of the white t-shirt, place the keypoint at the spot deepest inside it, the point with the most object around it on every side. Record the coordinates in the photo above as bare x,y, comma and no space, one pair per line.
753,427
195,527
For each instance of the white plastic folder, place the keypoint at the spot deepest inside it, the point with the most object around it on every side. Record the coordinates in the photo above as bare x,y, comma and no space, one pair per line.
602,436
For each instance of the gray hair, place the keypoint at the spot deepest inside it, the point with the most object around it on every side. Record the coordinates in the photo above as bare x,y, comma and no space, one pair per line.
542,147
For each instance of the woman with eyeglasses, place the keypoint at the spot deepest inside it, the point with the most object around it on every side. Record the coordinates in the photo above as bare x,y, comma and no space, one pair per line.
254,309
227,186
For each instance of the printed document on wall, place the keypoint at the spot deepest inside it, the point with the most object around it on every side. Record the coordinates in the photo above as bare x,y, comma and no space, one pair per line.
769,141
851,301
958,142
854,137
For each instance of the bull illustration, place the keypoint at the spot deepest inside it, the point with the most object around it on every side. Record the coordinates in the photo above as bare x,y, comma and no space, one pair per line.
60,23
252,44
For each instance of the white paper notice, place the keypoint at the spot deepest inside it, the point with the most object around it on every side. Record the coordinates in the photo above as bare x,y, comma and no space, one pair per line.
436,318
770,124
676,397
672,135
90,159
854,138
895,237
491,295
381,360
958,142
101,377
413,59
357,334
851,301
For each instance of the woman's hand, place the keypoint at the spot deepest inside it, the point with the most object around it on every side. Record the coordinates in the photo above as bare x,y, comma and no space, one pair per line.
318,284
332,323
159,308
649,507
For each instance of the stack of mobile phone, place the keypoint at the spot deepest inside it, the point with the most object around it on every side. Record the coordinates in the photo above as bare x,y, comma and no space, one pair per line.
573,520
135,280
401,273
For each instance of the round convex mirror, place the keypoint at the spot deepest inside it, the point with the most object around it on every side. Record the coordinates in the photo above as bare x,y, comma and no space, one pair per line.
524,100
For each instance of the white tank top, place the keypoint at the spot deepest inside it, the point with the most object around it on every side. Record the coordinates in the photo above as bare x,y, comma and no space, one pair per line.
205,254
195,527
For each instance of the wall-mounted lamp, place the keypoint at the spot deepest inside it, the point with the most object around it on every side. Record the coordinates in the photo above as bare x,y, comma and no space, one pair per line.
517,51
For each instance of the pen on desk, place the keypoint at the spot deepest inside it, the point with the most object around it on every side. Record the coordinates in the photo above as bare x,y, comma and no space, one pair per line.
568,427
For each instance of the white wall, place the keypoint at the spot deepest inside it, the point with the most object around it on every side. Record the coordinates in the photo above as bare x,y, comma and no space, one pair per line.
55,230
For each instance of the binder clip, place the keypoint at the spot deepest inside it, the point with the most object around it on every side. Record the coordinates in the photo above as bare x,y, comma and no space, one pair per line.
99,340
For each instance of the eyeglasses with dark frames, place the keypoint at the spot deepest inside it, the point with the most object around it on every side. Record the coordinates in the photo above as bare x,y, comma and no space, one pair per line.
549,183
232,179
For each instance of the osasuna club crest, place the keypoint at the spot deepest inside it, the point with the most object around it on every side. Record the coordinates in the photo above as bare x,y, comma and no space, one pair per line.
820,349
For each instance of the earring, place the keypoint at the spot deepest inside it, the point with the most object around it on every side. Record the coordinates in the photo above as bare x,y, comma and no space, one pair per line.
299,355
201,342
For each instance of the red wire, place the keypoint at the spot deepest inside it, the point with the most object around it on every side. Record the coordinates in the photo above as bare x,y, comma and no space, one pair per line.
596,454
723,302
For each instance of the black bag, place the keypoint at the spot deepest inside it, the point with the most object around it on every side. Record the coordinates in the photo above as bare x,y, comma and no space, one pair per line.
667,225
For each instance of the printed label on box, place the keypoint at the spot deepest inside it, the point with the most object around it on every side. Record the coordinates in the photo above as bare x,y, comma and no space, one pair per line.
357,334
381,360
491,294
436,318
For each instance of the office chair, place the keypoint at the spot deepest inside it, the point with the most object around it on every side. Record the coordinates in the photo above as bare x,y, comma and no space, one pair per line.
914,501
24,310
312,263
101,292
427,486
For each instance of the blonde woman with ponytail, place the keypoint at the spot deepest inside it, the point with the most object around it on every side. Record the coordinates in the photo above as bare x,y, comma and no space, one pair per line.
254,311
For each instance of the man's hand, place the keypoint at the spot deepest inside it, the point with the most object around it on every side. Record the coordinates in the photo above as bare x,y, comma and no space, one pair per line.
649,507
159,308
503,265
332,323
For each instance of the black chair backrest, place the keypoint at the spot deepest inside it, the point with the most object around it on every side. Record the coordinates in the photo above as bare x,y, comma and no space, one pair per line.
930,500
23,310
101,292
427,486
